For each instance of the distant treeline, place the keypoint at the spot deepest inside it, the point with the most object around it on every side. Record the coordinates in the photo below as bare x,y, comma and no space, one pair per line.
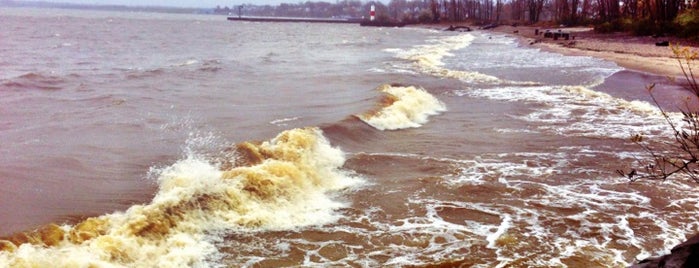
347,9
640,16
158,9
643,17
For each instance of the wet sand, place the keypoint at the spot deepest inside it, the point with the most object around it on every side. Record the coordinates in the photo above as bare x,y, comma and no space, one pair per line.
646,63
631,52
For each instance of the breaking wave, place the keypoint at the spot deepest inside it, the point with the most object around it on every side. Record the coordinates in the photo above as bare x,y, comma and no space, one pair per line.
402,107
429,58
281,184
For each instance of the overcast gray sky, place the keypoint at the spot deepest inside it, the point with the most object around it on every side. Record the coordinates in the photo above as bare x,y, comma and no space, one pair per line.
184,3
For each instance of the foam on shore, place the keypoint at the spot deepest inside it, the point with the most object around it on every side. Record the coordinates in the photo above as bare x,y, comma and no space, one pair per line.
597,114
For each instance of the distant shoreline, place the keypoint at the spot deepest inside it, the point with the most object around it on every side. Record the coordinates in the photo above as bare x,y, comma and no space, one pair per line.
154,9
631,52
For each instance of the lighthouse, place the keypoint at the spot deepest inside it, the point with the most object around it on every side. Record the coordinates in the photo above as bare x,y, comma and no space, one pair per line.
372,13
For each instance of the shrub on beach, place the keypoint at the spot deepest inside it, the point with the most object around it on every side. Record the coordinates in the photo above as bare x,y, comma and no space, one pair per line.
688,24
648,27
425,17
609,26
644,27
617,25
685,25
679,156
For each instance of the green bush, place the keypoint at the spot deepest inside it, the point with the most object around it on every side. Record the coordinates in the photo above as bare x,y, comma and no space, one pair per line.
644,27
425,17
685,25
688,24
605,27
609,26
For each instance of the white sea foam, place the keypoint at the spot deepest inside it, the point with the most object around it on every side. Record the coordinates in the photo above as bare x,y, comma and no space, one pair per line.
428,58
580,111
568,219
403,107
523,220
284,121
502,228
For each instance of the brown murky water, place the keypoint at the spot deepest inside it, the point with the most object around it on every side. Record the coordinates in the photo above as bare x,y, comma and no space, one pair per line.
356,146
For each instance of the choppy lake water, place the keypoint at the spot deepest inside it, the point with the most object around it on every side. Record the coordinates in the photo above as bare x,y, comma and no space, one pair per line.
155,140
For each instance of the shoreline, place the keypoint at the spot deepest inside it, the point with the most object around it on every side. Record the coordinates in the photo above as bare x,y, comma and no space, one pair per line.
643,62
635,53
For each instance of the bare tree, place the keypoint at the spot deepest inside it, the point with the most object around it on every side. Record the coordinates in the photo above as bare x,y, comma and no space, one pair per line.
534,7
680,155
434,7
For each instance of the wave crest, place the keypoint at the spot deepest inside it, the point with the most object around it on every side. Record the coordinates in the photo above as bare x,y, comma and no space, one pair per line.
402,107
283,183
428,58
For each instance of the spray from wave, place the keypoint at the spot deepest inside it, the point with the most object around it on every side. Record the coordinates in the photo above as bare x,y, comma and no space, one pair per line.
402,107
285,183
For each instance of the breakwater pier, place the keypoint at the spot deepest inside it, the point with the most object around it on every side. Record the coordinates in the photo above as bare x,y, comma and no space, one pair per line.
292,19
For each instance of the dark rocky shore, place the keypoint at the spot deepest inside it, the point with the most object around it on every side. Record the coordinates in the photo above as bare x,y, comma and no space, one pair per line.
685,255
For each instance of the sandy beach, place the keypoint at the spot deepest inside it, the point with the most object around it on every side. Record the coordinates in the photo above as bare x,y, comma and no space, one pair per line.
646,63
631,52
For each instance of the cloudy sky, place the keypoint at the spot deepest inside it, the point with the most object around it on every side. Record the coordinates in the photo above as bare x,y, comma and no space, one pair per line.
184,3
